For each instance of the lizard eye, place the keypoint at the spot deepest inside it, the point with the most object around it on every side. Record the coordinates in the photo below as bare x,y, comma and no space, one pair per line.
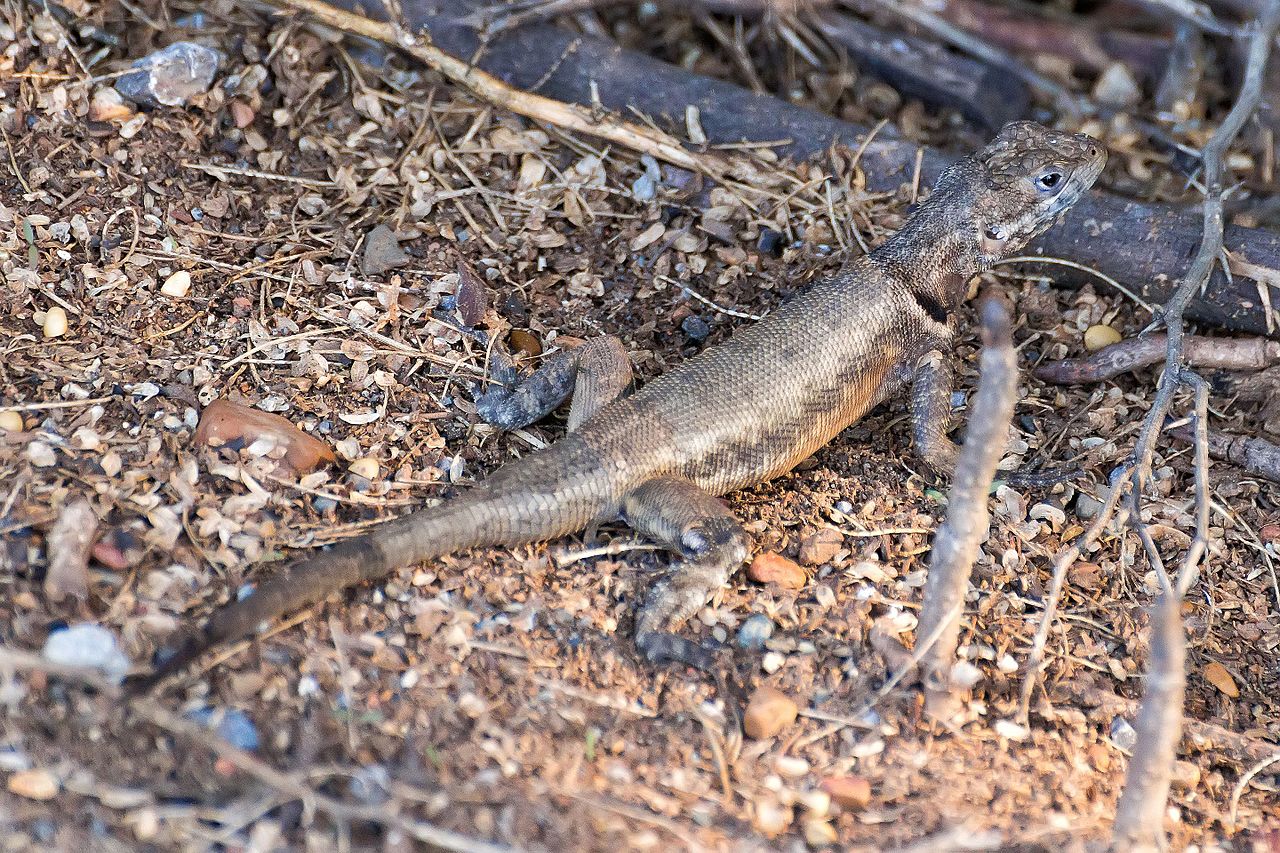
1049,180
994,232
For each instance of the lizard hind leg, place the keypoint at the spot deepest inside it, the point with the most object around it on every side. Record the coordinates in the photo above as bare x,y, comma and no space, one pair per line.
594,374
711,544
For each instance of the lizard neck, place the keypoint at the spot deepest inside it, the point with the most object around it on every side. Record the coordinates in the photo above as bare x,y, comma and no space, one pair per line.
936,252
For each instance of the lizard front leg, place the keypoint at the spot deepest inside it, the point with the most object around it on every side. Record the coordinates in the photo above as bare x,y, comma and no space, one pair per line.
595,374
931,422
931,413
711,544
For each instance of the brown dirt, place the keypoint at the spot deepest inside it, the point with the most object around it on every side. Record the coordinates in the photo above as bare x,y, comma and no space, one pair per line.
497,694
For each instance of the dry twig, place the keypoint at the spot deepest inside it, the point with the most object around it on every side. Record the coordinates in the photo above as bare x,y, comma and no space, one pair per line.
1143,351
956,545
1141,807
564,115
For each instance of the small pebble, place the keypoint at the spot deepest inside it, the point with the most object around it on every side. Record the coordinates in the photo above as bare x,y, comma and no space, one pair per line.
771,567
754,632
366,467
108,105
1117,87
524,342
1185,775
770,818
177,285
1087,507
791,767
772,662
171,76
89,645
965,675
769,711
696,328
382,252
10,422
770,242
1097,337
819,833
233,726
34,784
848,792
1123,734
816,802
1010,730
820,546
55,322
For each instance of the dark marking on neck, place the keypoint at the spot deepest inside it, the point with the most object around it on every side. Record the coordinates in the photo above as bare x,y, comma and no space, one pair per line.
935,309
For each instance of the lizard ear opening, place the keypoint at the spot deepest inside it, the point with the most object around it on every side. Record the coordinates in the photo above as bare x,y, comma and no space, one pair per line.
994,239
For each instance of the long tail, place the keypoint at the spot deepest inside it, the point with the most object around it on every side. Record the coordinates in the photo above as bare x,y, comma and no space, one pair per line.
553,493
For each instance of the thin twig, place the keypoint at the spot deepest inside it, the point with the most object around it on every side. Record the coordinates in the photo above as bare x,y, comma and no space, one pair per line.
1139,814
956,545
563,115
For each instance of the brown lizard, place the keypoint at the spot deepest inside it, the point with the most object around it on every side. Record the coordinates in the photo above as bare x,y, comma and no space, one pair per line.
737,414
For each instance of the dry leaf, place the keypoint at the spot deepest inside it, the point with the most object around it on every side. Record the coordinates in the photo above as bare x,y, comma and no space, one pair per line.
1217,675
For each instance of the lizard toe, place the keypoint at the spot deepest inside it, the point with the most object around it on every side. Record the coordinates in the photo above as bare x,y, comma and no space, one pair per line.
660,647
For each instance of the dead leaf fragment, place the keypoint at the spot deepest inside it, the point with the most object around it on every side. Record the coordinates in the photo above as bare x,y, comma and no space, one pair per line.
70,541
1085,575
1217,675
224,422
472,295
769,567
382,252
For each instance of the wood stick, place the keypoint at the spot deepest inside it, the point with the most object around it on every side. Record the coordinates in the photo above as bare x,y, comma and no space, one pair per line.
955,547
1143,351
1147,245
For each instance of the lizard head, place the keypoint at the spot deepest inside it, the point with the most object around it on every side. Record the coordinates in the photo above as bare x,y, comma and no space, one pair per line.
1028,175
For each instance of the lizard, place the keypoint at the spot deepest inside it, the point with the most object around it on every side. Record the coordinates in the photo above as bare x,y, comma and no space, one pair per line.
736,414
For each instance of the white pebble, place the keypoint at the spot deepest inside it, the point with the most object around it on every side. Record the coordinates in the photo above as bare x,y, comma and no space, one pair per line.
791,767
177,285
10,422
88,645
772,662
1011,730
55,322
41,455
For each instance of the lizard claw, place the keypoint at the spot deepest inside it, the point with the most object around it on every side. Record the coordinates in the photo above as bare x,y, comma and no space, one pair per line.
659,647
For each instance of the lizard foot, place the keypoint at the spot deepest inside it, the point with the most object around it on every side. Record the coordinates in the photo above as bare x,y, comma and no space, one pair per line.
594,374
711,544
1039,479
659,647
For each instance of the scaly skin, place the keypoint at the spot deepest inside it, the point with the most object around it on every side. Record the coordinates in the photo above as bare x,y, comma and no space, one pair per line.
737,414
